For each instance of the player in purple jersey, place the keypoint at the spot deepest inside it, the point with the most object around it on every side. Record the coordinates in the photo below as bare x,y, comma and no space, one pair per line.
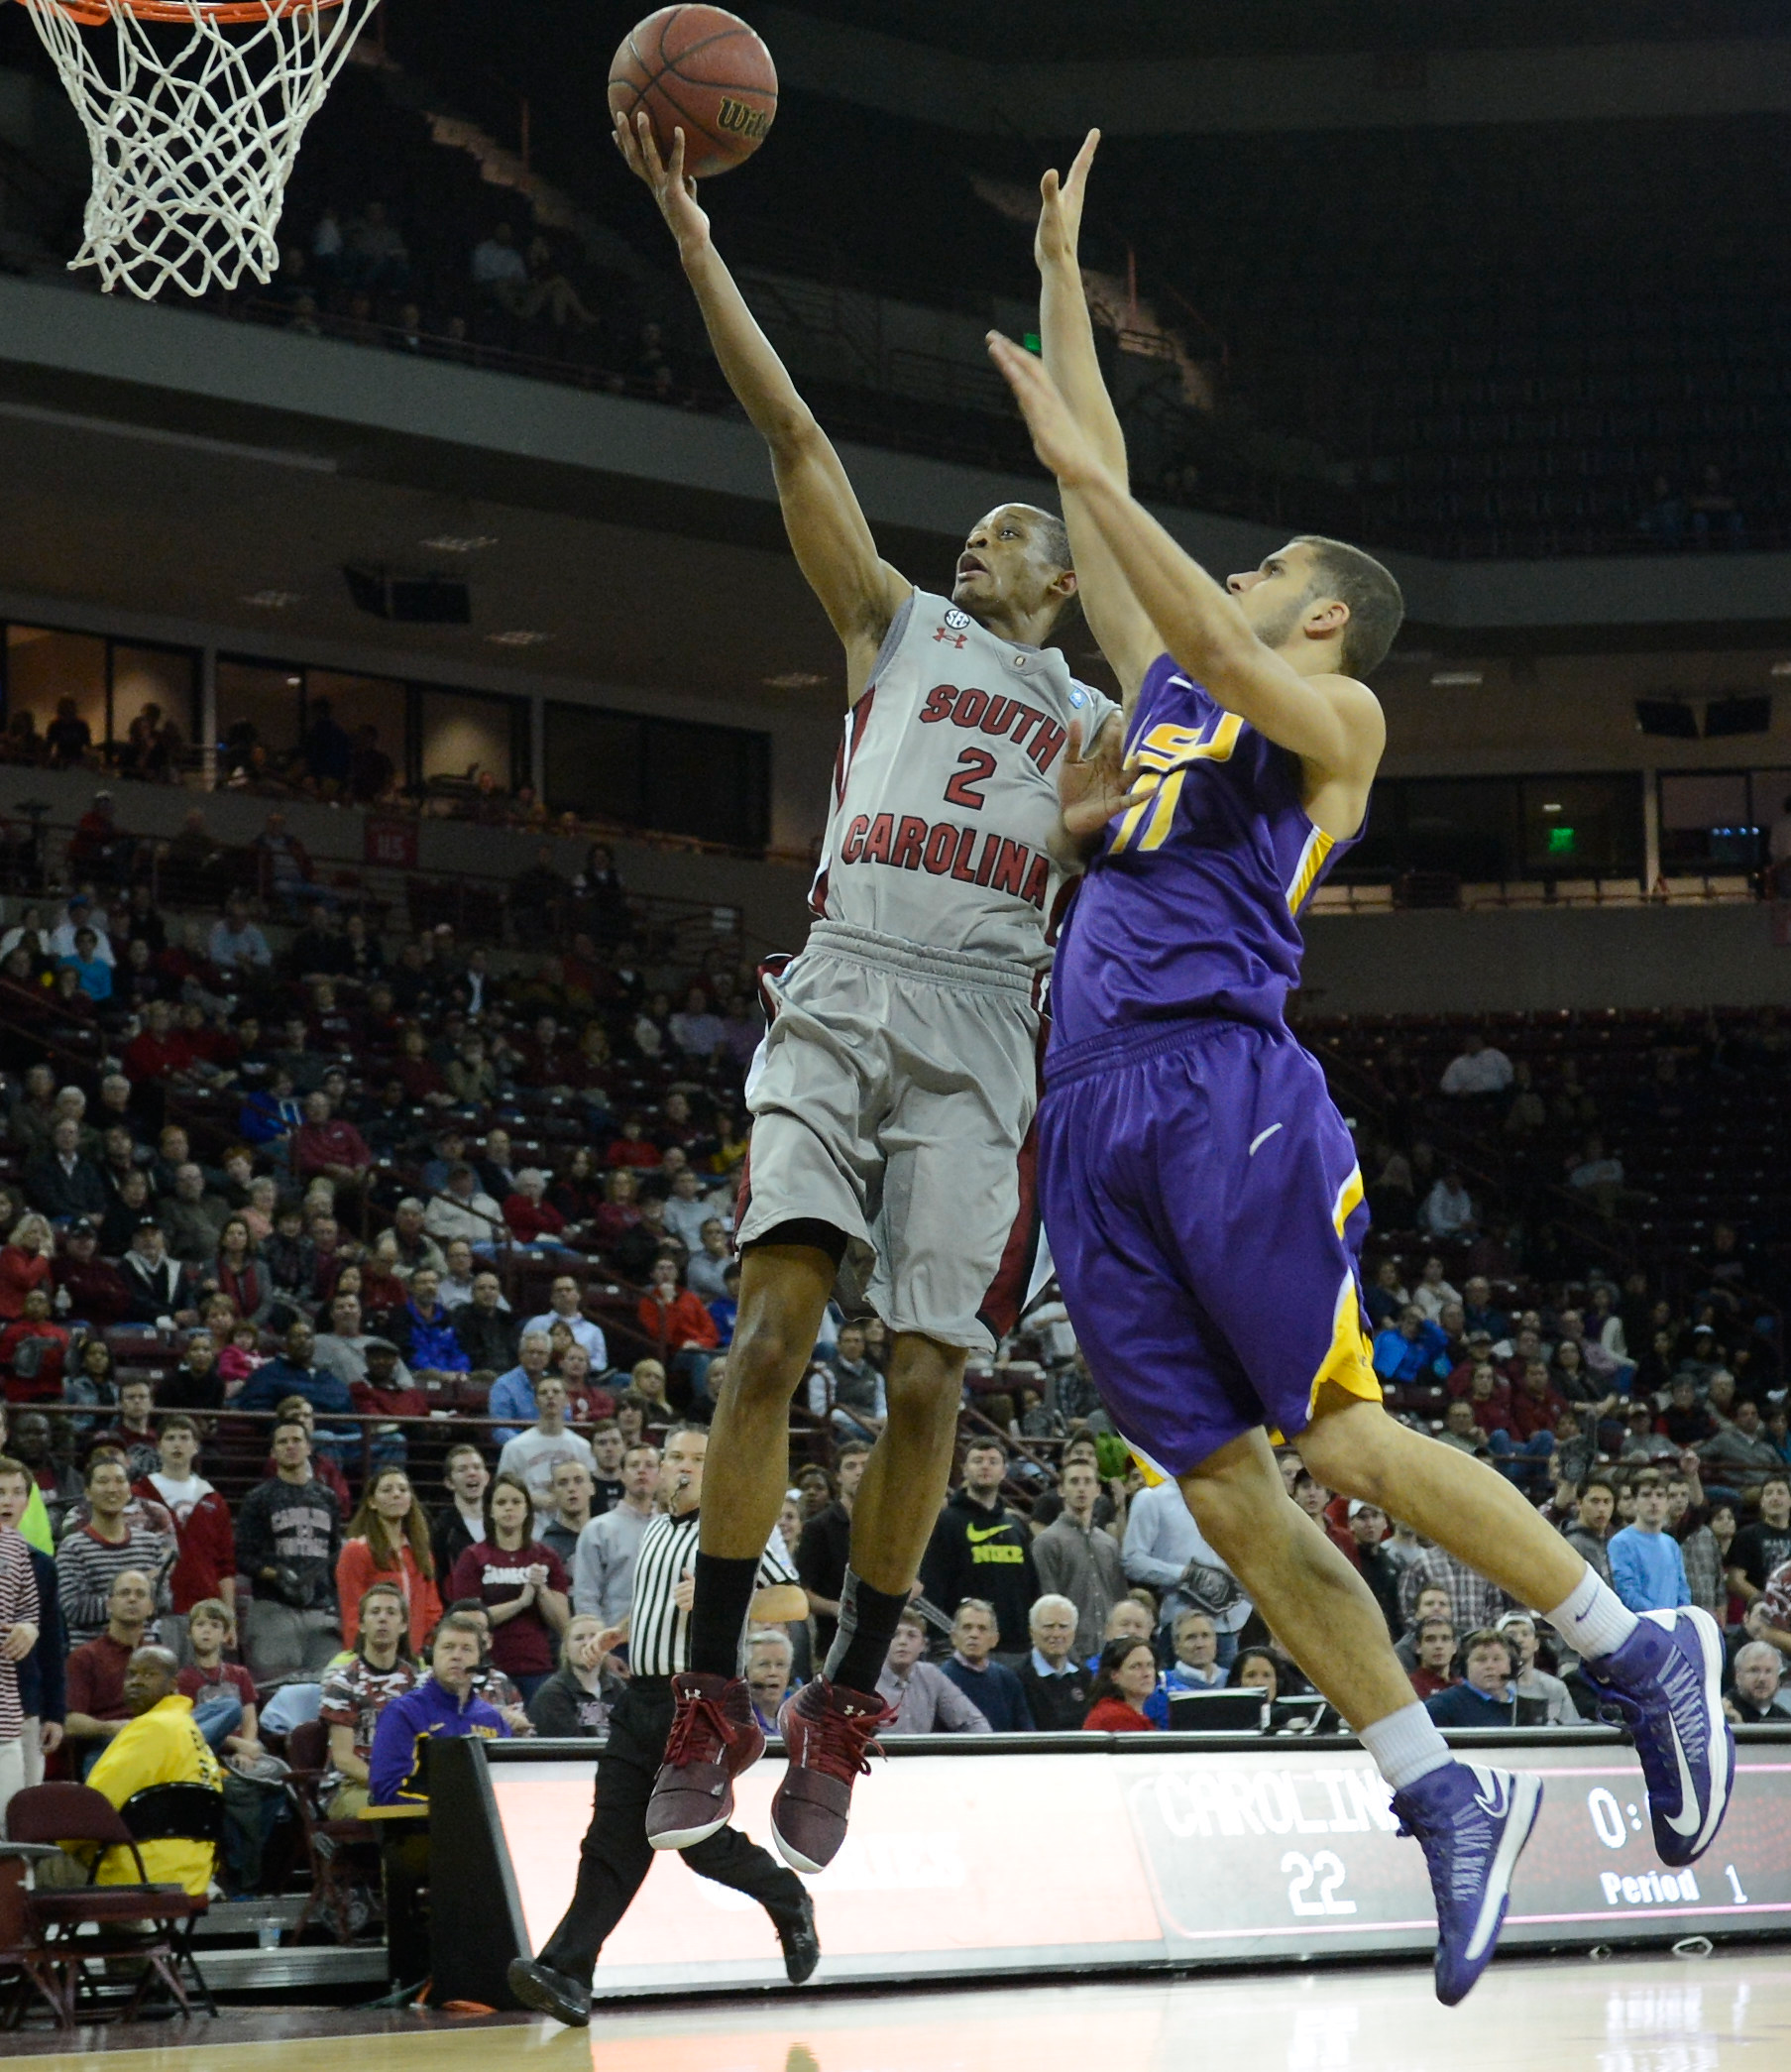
1201,1190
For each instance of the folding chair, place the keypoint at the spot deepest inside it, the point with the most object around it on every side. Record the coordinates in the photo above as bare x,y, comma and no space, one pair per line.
40,1968
180,1814
330,1845
65,1916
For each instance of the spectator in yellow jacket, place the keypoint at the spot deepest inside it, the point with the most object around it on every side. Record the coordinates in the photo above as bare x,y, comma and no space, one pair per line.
158,1746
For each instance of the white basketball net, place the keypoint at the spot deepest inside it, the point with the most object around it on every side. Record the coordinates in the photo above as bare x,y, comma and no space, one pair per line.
194,123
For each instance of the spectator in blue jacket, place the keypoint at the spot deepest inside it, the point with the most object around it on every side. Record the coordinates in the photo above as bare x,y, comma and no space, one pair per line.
1411,1350
1648,1570
513,1394
427,1341
442,1704
1487,1696
92,973
991,1686
291,1373
273,1113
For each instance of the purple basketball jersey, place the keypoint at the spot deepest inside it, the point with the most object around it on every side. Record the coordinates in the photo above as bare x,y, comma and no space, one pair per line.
1192,906
1201,1190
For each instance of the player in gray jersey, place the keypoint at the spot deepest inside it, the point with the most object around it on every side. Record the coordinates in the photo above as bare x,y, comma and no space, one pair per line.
895,1091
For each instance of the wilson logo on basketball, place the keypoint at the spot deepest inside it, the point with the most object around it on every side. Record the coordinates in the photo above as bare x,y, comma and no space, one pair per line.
741,120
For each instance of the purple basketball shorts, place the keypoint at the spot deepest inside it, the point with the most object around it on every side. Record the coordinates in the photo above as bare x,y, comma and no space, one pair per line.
1205,1211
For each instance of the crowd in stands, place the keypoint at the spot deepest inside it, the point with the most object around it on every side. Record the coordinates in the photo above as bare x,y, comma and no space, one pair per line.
348,1293
327,765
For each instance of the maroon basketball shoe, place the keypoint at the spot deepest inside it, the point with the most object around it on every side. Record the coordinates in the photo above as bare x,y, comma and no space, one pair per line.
714,1737
826,1731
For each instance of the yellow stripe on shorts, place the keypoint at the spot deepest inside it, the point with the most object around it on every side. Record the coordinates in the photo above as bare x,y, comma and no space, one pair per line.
1153,1471
1350,1197
1350,1362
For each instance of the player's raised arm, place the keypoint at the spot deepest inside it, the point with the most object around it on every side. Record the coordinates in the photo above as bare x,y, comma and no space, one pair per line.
858,589
1119,623
1331,722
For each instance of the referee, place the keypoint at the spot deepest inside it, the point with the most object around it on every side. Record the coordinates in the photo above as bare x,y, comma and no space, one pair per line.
615,1855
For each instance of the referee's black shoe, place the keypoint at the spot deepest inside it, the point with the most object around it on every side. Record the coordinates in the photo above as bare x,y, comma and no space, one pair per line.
802,1946
551,1992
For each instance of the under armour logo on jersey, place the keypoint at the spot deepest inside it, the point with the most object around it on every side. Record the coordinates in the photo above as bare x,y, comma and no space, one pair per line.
956,619
951,640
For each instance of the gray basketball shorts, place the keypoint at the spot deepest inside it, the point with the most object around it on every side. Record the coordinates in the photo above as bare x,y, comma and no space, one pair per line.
891,1097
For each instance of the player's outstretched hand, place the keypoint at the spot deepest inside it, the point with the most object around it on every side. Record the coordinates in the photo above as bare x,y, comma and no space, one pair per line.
1093,788
1061,208
673,189
1058,440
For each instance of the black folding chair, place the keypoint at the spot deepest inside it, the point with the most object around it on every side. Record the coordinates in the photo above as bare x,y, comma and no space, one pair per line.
179,1813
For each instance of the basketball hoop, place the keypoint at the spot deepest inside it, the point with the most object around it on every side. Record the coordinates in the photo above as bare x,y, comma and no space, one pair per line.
194,112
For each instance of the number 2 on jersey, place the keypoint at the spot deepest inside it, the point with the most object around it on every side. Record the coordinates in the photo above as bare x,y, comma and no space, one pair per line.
975,766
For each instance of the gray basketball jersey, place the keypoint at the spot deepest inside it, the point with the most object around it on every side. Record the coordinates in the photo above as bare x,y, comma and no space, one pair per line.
946,789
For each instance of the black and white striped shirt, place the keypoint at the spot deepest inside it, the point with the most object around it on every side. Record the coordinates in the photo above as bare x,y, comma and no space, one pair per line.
658,1632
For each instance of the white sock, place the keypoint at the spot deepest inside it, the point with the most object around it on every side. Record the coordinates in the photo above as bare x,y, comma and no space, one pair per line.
1594,1621
1406,1746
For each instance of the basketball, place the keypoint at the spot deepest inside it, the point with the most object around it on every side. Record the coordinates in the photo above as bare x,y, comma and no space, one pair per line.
705,71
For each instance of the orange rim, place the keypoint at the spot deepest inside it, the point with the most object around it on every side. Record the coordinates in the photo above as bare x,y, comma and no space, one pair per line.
94,14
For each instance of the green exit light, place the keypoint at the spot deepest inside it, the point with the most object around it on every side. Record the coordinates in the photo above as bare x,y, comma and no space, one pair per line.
1032,341
1560,842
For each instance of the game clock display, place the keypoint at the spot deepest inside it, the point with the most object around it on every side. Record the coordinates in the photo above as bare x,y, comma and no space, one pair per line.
1298,1851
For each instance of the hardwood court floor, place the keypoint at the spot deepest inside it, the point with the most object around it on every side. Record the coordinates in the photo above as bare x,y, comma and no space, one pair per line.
1727,2014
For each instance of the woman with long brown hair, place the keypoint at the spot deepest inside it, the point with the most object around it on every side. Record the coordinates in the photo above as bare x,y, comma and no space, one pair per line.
388,1540
238,1273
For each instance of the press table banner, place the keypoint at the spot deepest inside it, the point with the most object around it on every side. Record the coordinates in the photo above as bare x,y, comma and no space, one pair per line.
960,1866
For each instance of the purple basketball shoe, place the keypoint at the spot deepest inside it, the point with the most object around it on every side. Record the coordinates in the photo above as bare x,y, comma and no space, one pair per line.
1666,1679
1472,1825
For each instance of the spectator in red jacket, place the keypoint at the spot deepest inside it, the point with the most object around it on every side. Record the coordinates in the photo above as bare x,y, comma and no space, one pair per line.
680,1325
206,1566
617,1214
217,1049
1490,1397
1468,1372
162,1051
33,1353
385,1393
533,1220
25,1263
97,1293
1537,1403
631,1147
327,1147
1435,1657
1126,1678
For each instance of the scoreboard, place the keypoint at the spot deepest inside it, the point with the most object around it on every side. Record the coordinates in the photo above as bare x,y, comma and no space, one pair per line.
1115,1852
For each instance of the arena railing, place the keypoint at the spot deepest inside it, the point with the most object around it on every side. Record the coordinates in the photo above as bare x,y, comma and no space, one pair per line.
234,1443
475,905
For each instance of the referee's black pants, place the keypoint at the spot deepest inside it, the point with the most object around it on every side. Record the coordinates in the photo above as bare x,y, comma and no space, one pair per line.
617,1856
